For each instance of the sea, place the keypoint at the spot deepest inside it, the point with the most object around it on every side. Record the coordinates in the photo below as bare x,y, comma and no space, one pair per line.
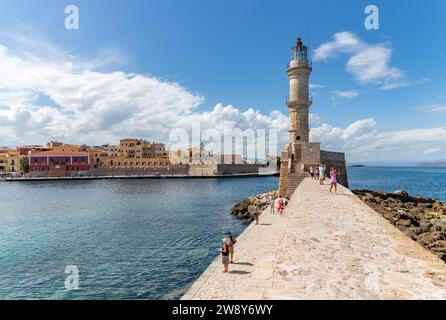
138,239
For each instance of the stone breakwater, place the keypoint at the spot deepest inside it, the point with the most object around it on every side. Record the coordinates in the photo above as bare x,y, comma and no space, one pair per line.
421,219
324,247
247,209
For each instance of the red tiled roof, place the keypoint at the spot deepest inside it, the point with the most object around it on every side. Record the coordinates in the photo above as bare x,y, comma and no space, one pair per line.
59,153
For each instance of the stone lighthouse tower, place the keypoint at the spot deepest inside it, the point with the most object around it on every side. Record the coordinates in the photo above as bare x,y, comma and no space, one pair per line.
300,154
299,101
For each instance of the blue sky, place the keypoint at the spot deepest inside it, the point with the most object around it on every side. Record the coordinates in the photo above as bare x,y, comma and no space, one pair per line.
234,53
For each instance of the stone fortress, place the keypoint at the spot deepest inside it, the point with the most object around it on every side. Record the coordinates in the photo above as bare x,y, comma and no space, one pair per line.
300,154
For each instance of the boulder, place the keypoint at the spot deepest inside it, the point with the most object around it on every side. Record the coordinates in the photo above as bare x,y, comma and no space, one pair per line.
403,223
424,205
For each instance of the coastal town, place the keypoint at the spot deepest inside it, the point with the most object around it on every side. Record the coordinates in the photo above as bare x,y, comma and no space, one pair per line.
131,157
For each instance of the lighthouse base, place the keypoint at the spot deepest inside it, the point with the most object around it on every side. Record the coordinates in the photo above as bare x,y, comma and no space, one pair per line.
298,158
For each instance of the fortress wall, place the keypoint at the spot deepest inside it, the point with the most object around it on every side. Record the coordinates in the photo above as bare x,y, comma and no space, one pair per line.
310,153
336,160
165,170
227,169
202,170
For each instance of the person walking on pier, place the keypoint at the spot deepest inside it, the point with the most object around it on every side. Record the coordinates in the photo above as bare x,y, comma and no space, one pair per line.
321,174
312,171
230,241
225,256
333,180
272,200
316,173
281,205
257,216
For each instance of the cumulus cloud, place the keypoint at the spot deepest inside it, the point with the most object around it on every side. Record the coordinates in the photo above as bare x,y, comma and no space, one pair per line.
85,101
362,141
368,63
343,42
345,139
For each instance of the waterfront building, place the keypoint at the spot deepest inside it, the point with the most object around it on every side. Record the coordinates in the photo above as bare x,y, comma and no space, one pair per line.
10,161
130,154
14,163
59,163
202,156
112,151
134,148
97,157
3,162
202,162
300,154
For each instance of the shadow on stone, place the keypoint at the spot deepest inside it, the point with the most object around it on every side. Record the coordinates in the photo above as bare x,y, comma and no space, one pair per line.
239,272
243,264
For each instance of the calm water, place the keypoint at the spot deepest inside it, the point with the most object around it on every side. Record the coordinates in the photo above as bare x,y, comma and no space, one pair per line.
427,182
138,239
130,239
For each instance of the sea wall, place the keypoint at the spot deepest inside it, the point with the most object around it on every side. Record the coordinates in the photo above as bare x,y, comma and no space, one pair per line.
165,170
228,169
202,170
421,219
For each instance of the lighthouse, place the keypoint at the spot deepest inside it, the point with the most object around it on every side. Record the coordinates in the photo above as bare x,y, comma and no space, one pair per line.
300,154
299,100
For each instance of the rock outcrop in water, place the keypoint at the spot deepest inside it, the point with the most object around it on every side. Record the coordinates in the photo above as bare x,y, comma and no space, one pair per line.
247,209
423,220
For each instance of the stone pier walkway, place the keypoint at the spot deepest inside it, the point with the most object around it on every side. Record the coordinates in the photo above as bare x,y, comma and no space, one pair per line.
324,247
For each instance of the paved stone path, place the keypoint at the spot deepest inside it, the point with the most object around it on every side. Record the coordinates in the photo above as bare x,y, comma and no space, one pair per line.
324,247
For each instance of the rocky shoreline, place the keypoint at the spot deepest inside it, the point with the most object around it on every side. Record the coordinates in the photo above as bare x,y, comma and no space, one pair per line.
247,209
421,219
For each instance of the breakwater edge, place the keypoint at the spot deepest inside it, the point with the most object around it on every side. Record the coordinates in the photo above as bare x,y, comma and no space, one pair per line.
421,219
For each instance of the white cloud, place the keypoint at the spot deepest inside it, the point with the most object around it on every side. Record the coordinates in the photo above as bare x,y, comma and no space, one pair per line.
369,64
346,139
361,141
349,94
343,42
